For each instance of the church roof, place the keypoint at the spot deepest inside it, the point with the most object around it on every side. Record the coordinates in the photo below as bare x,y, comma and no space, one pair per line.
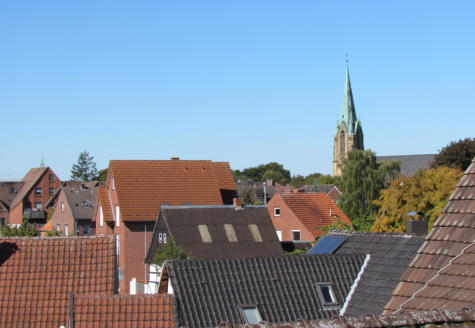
348,113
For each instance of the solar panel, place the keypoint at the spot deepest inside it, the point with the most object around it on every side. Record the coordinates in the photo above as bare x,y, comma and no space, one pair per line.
326,245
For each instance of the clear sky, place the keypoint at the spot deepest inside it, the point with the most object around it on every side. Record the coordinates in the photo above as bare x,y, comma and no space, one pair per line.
247,82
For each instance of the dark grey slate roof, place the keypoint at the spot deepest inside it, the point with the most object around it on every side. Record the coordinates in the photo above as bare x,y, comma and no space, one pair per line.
81,201
410,164
390,257
9,190
182,224
284,288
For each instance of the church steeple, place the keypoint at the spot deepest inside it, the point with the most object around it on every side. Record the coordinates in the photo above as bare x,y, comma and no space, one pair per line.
348,113
349,134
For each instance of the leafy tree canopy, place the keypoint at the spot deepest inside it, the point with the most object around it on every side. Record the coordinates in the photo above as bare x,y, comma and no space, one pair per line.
263,172
169,251
328,179
361,181
102,175
26,229
457,154
85,168
426,192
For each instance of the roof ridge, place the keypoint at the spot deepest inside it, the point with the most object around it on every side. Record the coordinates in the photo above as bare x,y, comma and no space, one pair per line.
370,233
55,237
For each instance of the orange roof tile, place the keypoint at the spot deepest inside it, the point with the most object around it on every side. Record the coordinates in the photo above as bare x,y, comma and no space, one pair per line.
103,197
29,180
36,275
142,186
224,175
145,311
47,227
313,210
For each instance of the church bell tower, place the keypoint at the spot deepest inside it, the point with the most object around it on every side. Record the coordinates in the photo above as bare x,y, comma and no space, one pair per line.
349,134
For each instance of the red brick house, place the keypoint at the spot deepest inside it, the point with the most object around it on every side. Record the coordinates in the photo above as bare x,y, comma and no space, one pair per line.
8,192
296,215
129,204
73,211
39,184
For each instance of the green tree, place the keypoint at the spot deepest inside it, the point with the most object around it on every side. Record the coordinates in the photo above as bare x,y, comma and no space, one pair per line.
85,168
361,181
26,229
169,251
248,197
312,178
328,179
273,170
297,181
426,192
457,154
102,175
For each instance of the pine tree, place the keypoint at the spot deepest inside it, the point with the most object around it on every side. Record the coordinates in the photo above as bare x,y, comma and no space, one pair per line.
85,168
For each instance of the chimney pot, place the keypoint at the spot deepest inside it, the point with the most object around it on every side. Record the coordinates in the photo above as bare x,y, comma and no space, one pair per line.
175,158
237,202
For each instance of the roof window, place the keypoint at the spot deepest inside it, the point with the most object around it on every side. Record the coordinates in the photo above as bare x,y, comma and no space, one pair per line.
256,235
230,232
251,315
204,232
326,294
276,211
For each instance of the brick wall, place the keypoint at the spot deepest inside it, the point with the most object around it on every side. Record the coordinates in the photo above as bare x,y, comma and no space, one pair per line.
63,215
287,221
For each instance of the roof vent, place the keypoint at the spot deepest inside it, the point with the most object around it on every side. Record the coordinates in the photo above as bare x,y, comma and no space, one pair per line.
175,158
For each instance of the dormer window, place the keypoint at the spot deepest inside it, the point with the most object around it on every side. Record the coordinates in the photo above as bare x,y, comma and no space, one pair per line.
326,294
251,315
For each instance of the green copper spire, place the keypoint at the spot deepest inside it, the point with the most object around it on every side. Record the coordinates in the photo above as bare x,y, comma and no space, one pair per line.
348,113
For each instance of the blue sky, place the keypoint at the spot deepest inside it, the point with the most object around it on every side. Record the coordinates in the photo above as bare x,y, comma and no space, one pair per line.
247,82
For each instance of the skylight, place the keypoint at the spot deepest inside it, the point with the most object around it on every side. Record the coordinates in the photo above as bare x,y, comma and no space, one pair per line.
256,235
204,232
326,294
230,232
251,315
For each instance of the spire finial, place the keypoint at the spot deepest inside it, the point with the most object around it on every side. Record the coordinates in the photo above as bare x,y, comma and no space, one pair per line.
42,160
347,58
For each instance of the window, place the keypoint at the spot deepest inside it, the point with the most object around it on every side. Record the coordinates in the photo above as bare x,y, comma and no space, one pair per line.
62,207
12,190
162,238
251,315
256,235
326,294
187,204
51,178
38,191
58,228
38,205
66,230
276,211
204,232
51,191
230,232
295,235
117,244
101,217
112,184
117,215
279,234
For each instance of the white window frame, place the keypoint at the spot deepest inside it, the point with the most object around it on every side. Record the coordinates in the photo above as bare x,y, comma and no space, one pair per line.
253,308
112,184
300,235
101,217
276,209
117,244
66,229
62,207
58,227
331,293
279,234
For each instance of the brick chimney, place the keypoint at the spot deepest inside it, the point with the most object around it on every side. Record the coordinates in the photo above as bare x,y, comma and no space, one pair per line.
237,202
416,227
175,158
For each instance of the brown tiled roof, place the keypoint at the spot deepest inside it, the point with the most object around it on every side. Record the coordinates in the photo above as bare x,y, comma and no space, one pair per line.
103,196
224,175
442,275
36,275
435,318
142,186
47,227
29,180
118,311
313,210
7,197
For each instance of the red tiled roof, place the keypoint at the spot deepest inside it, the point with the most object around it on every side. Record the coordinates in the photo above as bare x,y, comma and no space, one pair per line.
29,180
47,227
442,275
224,175
313,210
36,275
105,203
119,311
142,186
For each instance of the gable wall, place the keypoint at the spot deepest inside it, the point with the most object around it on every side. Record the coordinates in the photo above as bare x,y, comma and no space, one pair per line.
65,217
287,221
